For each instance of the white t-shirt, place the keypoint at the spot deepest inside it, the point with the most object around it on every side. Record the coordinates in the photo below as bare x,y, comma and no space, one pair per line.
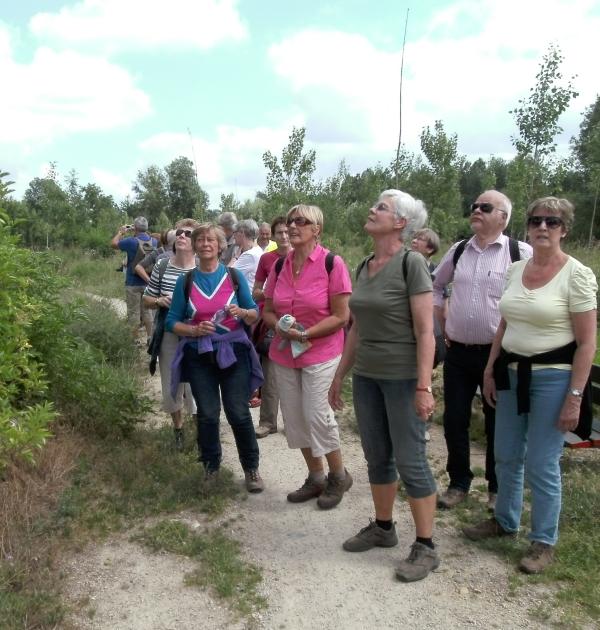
538,320
248,262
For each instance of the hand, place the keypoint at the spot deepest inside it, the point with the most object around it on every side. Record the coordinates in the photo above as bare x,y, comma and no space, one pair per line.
202,329
424,405
335,394
164,301
291,335
489,389
236,311
569,414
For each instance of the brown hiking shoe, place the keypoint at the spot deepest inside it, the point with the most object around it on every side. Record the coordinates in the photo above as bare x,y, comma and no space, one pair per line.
309,490
490,528
537,558
419,564
451,498
254,482
334,491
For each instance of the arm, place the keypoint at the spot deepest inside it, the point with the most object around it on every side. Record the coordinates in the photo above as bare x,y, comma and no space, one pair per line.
421,308
114,243
344,366
269,315
258,294
142,267
489,385
584,328
246,310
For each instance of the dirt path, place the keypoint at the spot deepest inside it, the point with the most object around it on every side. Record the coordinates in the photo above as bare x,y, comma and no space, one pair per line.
309,581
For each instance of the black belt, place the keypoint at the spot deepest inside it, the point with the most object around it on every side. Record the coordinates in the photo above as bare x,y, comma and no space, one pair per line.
479,347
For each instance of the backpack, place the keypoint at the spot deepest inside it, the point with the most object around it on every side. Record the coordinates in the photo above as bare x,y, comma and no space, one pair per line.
513,248
440,343
144,248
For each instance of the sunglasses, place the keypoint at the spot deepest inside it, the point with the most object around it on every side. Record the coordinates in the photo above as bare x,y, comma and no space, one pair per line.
551,222
179,232
299,221
484,206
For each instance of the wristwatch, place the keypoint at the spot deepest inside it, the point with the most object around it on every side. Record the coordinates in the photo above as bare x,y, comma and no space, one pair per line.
424,389
576,392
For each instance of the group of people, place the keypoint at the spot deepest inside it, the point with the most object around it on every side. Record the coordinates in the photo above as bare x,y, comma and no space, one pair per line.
519,326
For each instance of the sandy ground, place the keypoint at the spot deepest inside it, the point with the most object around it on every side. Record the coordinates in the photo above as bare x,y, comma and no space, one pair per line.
309,581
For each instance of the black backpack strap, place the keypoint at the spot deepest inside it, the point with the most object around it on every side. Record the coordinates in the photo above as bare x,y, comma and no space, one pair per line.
460,248
329,260
361,265
187,284
405,266
513,248
279,265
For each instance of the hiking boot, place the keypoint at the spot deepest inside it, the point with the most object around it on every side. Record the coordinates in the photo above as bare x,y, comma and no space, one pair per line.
262,430
451,498
372,536
179,439
491,502
490,528
211,477
254,482
419,564
309,490
537,558
334,491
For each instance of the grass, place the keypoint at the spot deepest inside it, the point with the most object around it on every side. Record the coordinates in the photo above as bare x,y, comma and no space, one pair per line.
220,565
95,275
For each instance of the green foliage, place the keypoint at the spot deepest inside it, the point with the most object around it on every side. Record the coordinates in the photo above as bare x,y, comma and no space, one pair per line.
186,196
151,193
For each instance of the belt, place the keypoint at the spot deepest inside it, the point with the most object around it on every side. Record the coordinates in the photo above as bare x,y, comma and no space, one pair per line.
479,347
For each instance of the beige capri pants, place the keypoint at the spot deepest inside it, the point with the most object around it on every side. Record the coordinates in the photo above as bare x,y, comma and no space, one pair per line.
308,419
184,393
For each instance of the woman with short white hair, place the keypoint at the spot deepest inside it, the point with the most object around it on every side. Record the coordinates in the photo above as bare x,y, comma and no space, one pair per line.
245,234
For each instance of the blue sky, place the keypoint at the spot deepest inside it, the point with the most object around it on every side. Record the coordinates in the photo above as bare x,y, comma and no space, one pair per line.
107,87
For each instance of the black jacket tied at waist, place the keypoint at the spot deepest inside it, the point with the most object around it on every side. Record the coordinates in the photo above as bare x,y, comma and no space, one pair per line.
564,354
157,337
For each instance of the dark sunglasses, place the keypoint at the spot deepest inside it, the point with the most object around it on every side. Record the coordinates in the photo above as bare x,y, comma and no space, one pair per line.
484,206
181,231
551,222
299,221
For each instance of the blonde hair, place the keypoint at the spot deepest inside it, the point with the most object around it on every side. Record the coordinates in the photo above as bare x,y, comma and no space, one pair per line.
208,228
565,209
313,213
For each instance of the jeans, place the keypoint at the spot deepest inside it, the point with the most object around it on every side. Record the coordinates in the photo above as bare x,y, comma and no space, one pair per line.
206,379
463,373
391,433
529,446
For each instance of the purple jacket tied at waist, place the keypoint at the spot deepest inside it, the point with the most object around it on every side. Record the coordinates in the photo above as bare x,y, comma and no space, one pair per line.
225,356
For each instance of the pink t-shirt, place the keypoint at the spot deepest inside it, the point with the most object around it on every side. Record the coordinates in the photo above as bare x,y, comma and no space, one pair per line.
307,299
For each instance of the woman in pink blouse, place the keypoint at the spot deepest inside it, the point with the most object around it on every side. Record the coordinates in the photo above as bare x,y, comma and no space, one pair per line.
313,286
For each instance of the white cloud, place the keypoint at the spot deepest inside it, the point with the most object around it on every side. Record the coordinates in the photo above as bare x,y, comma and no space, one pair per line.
111,183
60,93
117,25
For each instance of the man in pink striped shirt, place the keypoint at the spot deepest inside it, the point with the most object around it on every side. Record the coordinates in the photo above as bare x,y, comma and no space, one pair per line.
472,320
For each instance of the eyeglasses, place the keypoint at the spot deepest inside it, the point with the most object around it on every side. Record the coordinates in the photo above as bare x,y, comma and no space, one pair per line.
180,231
381,207
299,221
484,206
551,222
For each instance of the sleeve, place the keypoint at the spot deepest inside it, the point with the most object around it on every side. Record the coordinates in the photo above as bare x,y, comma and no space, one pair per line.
582,290
244,296
178,306
153,287
525,250
128,245
149,260
261,270
244,264
339,278
444,273
418,275
271,282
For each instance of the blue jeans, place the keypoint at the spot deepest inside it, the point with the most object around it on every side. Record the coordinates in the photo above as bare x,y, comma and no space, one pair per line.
209,383
392,435
529,446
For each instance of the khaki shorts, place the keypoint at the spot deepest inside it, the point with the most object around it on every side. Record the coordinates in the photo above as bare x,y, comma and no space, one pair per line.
137,313
308,419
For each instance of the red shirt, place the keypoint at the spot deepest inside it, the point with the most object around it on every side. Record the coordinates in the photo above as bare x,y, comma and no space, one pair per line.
266,261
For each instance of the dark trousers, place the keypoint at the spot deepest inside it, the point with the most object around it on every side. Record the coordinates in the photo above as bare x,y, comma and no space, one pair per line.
463,373
209,383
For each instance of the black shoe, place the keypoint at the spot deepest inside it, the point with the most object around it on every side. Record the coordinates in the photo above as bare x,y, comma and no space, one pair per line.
179,440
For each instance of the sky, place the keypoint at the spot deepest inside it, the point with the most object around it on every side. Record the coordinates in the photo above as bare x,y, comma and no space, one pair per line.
109,87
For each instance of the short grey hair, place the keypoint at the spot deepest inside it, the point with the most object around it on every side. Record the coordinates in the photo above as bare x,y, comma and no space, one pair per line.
227,220
140,224
248,227
406,207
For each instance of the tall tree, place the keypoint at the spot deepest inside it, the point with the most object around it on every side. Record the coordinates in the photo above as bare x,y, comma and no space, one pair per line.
185,194
151,193
49,210
537,121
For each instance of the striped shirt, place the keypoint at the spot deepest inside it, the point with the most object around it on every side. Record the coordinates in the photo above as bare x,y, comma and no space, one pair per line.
478,283
168,280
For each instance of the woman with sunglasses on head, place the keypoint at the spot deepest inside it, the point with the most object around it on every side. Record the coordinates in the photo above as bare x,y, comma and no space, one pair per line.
163,344
536,376
313,286
211,306
390,349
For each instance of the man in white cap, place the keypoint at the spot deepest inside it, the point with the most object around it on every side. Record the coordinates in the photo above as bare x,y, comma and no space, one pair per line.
476,267
137,247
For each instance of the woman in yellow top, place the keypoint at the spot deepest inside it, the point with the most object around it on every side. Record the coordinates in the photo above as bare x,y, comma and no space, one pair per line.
538,368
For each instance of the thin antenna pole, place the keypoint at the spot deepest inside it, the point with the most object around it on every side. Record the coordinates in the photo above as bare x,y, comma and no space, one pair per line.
193,154
400,106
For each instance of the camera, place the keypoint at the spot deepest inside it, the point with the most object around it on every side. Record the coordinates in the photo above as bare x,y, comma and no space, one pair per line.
129,227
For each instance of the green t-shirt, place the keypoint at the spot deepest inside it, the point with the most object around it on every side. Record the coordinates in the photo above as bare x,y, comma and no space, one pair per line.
381,309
